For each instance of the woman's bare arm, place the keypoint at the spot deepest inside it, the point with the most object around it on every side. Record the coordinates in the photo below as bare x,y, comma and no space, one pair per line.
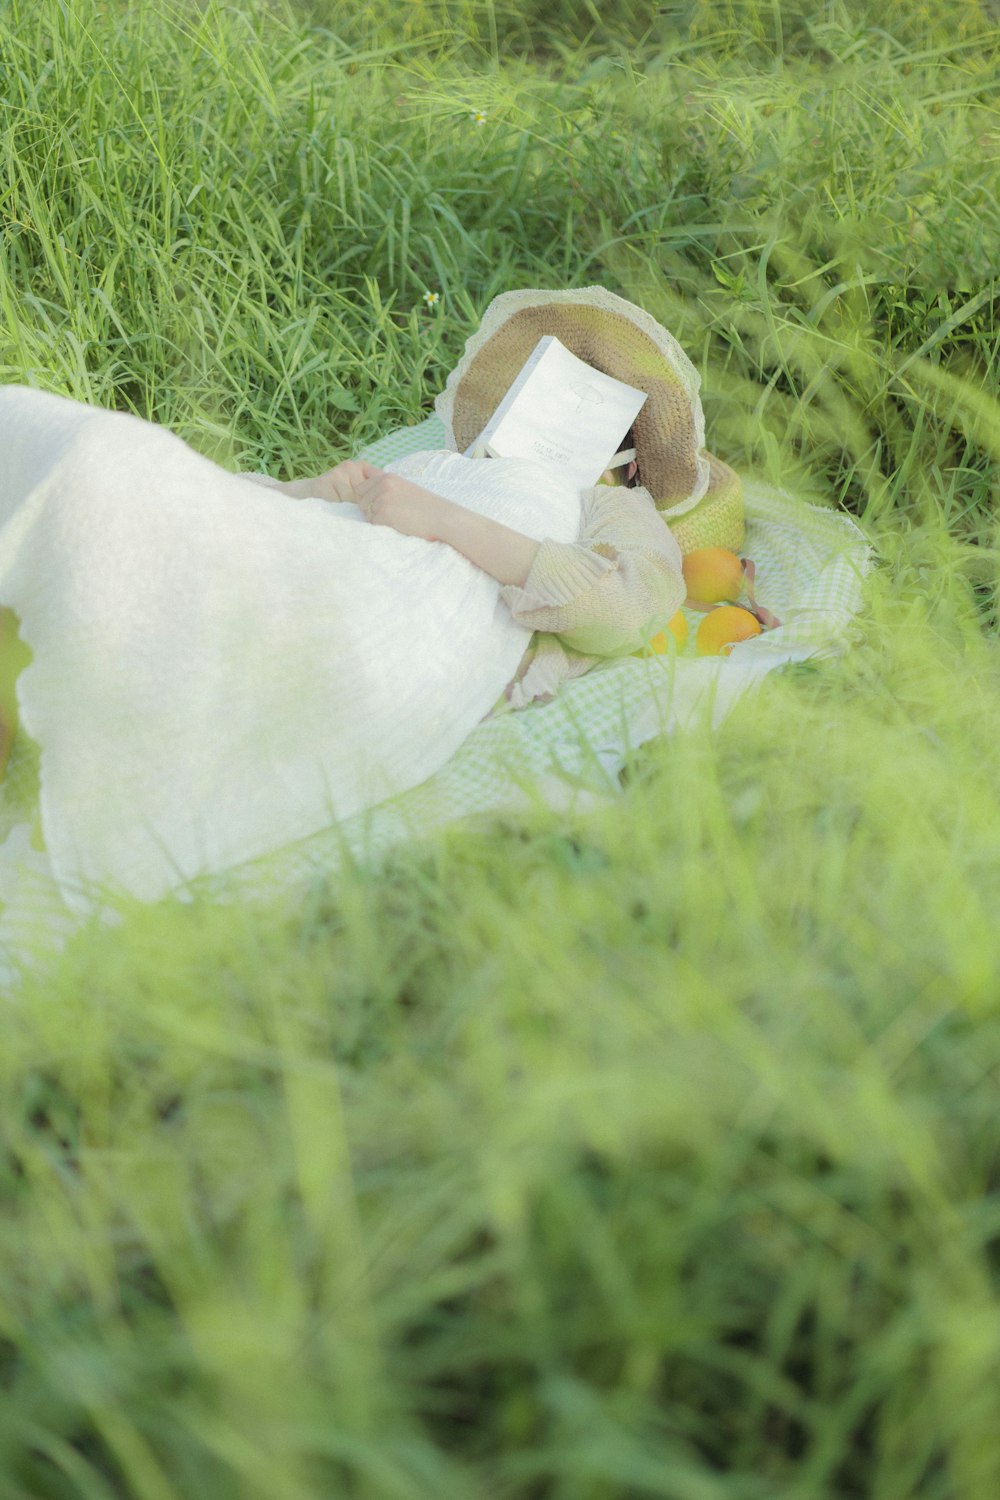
320,488
302,489
505,554
391,500
336,484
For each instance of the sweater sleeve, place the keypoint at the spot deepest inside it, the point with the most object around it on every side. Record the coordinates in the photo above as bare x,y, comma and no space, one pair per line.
621,580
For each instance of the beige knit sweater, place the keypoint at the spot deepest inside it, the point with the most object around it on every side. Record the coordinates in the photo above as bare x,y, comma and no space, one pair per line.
594,598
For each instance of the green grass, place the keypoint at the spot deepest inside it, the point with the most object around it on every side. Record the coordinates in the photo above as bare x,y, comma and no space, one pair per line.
647,1153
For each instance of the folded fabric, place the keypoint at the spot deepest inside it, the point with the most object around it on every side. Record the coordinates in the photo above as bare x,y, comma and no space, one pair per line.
811,565
592,597
218,669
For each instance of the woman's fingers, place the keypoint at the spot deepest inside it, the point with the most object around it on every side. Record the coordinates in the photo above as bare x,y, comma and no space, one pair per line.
344,479
375,484
367,482
359,471
340,486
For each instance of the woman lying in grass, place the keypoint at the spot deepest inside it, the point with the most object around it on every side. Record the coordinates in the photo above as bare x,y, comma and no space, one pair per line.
222,664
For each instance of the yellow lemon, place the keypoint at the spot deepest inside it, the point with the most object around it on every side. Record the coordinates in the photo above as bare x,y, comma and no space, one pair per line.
712,574
658,643
723,627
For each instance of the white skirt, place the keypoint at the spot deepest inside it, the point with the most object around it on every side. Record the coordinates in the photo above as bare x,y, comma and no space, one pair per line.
219,669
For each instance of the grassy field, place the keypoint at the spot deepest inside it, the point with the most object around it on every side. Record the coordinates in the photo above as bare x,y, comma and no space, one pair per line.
651,1153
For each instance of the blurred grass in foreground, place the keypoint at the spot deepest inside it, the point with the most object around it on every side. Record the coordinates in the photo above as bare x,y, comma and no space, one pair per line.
648,1154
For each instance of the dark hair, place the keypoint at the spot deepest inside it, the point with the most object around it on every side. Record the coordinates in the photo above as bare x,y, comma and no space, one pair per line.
628,441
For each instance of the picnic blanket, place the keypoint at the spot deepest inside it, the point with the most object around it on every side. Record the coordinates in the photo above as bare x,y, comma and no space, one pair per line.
811,564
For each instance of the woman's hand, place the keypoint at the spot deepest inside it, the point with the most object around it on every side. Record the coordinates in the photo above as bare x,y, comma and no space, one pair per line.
341,482
384,499
389,500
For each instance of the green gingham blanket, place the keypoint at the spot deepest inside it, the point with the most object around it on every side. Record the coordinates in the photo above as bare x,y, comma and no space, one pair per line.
811,564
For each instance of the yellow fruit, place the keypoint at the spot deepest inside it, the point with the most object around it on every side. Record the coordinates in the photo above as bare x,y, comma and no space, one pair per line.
678,628
723,627
712,574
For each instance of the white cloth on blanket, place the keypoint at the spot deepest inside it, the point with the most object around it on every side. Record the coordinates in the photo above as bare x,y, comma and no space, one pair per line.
218,669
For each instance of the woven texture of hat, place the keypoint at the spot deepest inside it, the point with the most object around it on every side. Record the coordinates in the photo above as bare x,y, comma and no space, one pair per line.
613,336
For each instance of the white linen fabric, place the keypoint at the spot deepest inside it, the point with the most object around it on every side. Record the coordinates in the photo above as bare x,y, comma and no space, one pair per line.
219,669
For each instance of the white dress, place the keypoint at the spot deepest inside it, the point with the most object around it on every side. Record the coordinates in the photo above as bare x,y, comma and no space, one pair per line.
219,669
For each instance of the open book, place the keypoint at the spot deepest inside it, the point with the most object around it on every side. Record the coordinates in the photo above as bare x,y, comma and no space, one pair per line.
561,410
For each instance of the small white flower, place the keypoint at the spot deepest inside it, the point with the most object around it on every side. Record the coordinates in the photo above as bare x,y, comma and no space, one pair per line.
432,298
478,117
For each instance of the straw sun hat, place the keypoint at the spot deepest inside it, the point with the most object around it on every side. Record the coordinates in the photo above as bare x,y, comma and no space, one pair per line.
699,497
